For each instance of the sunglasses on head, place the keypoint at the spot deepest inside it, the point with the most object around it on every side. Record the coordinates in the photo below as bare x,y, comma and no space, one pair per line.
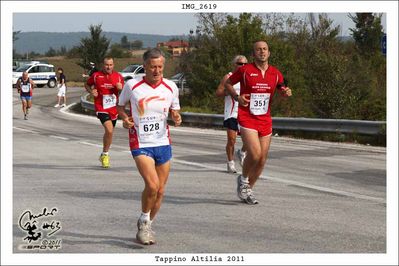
240,63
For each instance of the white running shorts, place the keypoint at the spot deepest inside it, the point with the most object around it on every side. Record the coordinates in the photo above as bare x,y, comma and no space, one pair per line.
61,90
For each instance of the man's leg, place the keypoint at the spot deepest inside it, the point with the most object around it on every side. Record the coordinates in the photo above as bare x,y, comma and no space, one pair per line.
146,167
147,170
24,105
231,141
252,143
107,138
163,174
257,169
28,105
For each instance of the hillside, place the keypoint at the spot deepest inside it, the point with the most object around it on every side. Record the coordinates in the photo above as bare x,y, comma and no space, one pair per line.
40,42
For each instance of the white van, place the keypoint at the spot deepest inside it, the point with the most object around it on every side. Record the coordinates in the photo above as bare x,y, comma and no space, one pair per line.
41,74
132,71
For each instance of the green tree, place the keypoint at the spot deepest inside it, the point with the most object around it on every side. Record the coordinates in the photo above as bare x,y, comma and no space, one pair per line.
93,48
367,33
218,39
368,66
124,42
117,51
51,52
14,39
137,44
15,35
63,50
74,52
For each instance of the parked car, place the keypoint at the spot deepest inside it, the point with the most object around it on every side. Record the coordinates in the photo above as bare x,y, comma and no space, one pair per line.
181,83
41,74
132,71
18,63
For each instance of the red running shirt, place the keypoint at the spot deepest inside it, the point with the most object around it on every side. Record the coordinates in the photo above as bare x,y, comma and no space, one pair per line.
261,89
107,97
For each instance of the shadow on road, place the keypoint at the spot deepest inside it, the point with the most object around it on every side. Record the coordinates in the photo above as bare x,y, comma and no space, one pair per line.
124,195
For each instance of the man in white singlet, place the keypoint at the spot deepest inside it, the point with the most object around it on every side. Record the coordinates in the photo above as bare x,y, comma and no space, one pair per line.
151,99
230,116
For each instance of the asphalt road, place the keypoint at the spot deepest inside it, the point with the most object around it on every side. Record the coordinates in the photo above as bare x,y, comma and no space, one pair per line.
315,197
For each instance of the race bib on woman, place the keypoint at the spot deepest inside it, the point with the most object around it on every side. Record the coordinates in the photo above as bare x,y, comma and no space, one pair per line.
259,103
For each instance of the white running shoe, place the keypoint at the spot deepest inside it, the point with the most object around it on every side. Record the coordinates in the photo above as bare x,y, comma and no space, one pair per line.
250,200
242,189
57,105
241,156
145,235
231,167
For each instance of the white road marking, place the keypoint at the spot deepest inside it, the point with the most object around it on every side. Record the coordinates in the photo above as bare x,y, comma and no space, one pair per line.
90,144
324,189
26,130
58,137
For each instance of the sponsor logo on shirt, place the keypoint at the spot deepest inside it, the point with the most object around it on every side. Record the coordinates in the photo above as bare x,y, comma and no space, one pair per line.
253,75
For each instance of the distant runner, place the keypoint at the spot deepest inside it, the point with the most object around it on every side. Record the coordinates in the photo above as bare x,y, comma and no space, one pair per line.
104,86
25,86
230,116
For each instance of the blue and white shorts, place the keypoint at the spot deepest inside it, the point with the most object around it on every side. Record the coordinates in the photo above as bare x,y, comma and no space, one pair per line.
161,154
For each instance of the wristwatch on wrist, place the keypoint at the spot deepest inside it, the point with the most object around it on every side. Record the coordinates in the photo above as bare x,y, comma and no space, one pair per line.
235,97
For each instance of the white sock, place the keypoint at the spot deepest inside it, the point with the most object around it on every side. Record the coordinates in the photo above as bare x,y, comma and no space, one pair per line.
230,162
145,217
244,179
243,153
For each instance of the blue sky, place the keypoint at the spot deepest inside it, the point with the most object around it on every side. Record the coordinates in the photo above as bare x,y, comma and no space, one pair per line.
147,23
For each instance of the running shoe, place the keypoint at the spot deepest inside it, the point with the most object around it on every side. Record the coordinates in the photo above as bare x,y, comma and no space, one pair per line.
145,235
25,117
57,105
104,159
152,235
242,188
231,167
250,198
241,156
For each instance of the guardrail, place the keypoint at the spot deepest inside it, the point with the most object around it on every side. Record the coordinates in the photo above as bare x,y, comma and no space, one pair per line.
286,123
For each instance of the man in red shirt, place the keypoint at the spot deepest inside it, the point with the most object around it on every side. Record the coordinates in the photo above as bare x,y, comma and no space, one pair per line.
258,81
104,86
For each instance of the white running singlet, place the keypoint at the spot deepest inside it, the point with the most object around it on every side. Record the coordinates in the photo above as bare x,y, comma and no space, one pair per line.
230,105
149,106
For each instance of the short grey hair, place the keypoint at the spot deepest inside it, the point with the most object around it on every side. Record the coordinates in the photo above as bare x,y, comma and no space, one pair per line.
152,53
238,57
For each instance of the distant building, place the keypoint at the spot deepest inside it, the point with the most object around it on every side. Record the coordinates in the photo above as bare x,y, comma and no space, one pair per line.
176,48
